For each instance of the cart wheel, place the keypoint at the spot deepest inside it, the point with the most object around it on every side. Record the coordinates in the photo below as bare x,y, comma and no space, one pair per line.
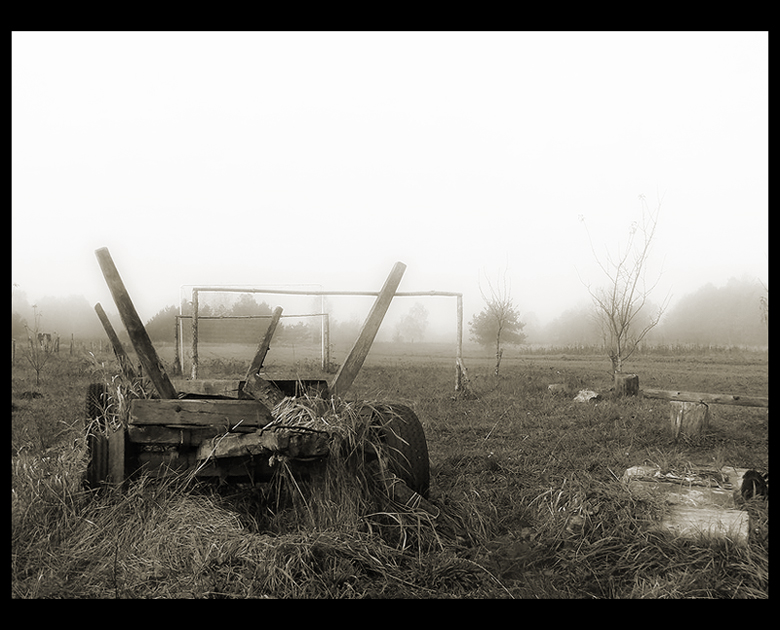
407,448
97,439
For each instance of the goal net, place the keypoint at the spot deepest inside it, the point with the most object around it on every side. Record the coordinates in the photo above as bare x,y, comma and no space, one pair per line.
220,329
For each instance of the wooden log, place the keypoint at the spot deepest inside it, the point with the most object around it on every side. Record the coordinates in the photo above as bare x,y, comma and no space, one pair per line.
349,369
689,418
712,399
119,350
626,384
135,329
265,344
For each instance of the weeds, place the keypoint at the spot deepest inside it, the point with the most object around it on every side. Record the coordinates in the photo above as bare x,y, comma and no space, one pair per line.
529,481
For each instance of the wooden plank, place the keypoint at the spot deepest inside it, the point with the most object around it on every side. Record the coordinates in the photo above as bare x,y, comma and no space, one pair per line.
218,413
216,387
116,456
711,399
349,369
135,329
184,435
119,349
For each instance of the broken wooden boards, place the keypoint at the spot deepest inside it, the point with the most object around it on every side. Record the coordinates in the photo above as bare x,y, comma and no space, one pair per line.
700,502
278,441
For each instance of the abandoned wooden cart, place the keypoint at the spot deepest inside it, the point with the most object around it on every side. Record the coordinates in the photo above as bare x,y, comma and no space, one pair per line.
243,429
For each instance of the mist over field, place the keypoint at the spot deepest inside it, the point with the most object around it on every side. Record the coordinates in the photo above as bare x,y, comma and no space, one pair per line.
725,315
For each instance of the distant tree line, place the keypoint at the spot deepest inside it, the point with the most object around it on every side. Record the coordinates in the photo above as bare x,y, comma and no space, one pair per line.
733,314
724,316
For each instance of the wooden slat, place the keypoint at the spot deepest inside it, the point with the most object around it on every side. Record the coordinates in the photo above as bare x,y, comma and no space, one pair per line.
223,387
265,344
119,349
116,457
711,399
219,413
184,435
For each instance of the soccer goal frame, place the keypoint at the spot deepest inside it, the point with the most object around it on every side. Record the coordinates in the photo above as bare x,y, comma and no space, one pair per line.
460,371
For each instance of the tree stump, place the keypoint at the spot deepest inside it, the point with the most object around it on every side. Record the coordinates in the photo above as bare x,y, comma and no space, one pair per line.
689,418
626,384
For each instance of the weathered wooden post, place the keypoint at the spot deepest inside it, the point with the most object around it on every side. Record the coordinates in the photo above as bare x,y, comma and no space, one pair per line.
194,321
326,343
689,418
176,351
119,350
626,384
459,343
354,361
265,344
150,362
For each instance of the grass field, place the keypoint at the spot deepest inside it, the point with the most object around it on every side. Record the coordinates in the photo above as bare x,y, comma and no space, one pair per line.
527,481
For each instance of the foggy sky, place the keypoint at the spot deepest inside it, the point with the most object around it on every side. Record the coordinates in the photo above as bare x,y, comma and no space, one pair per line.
324,158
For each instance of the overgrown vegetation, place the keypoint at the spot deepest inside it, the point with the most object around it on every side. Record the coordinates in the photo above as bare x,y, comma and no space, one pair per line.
527,483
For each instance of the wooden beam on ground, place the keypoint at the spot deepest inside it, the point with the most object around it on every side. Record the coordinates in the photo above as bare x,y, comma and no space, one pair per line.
357,356
135,329
710,399
119,350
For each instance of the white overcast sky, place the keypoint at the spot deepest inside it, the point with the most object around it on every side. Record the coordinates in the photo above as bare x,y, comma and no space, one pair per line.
323,158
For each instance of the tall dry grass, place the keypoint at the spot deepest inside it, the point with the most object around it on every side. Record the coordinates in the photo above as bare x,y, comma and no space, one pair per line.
527,481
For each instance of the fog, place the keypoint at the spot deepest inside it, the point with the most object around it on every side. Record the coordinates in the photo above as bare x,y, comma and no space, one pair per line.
320,159
725,315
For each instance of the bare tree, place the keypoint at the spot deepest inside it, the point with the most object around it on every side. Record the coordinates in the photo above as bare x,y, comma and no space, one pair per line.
620,303
499,320
412,327
39,349
763,305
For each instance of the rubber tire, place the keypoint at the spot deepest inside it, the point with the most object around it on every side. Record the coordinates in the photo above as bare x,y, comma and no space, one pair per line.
97,440
407,448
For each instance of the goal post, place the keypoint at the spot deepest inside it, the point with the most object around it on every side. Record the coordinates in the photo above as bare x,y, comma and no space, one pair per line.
460,371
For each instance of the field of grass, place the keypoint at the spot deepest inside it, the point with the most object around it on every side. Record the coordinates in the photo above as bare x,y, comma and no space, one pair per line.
527,482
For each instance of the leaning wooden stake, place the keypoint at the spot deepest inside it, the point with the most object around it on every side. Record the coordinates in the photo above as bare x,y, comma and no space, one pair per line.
119,350
135,328
357,356
255,385
265,344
